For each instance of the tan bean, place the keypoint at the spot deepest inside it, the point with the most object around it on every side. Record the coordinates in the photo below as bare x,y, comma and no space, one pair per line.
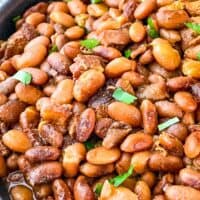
97,10
60,41
71,49
101,127
146,57
109,53
159,197
7,67
181,192
162,51
17,141
82,189
35,18
43,190
91,170
77,7
118,66
112,3
45,29
72,156
125,85
185,101
102,156
190,177
144,9
161,3
62,18
137,32
123,163
27,93
149,178
188,118
57,6
140,161
135,78
168,109
3,169
191,68
160,162
142,190
126,113
44,172
11,161
63,93
21,192
135,142
23,164
61,190
149,115
74,33
88,84
171,19
191,146
38,40
170,35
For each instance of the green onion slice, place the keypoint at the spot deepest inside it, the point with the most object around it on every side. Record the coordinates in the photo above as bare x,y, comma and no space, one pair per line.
23,77
127,53
152,32
168,123
98,189
118,180
123,96
198,56
54,48
90,43
194,26
96,1
15,19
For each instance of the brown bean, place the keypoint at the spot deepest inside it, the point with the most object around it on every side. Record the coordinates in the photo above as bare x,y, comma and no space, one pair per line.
63,93
91,170
43,190
11,161
168,109
21,192
57,6
160,162
135,78
82,190
102,156
16,140
77,7
37,40
101,127
185,101
190,177
191,68
161,3
142,190
85,125
44,172
23,164
3,169
8,85
125,85
126,113
135,142
35,18
181,192
149,115
42,153
137,32
144,9
123,163
45,29
170,35
7,67
149,178
3,99
171,19
74,32
71,49
140,161
118,66
88,84
61,190
191,146
97,10
146,57
27,93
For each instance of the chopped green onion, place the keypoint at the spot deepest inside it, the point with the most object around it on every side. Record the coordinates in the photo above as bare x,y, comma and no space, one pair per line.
15,19
123,96
67,0
96,1
152,32
98,189
90,43
127,53
23,77
194,26
198,56
168,123
54,48
118,180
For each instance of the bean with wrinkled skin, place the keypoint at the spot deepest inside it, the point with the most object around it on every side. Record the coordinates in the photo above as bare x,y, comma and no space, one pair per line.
101,127
91,170
123,164
135,142
61,190
35,18
142,190
11,161
146,57
3,169
102,156
21,192
43,190
97,10
44,173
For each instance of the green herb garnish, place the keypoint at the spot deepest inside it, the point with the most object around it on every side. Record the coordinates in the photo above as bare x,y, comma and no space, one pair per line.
168,123
127,53
98,189
123,96
198,56
23,77
152,32
90,43
67,0
118,180
96,1
15,19
92,143
194,26
54,48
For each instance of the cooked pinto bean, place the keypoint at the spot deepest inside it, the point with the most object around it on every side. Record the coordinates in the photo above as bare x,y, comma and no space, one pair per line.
3,170
35,18
21,192
142,190
123,163
137,32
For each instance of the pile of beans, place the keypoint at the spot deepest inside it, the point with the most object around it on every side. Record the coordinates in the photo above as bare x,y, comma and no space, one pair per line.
63,133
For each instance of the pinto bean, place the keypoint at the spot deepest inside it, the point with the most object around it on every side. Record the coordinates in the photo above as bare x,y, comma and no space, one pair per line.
71,49
146,57
88,84
101,127
35,18
23,164
170,35
97,10
38,40
123,163
74,32
57,6
191,68
142,190
126,113
7,86
77,7
149,115
102,156
135,142
135,78
91,170
160,162
21,192
3,169
61,190
149,178
137,32
82,190
85,125
45,29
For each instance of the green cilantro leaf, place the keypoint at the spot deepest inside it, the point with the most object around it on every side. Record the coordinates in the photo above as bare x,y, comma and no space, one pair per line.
90,43
23,77
152,32
194,26
54,48
127,53
96,1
